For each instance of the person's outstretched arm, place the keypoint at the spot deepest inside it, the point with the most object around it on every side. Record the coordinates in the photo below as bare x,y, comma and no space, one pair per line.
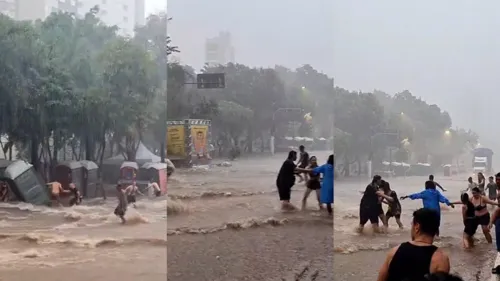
443,199
414,196
438,185
320,169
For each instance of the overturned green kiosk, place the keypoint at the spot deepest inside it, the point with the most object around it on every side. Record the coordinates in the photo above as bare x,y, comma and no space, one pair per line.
24,183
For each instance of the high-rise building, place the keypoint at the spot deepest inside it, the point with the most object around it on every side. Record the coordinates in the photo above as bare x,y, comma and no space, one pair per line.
125,14
8,7
219,49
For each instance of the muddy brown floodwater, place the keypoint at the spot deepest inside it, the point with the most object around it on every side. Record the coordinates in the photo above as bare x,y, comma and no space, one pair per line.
85,242
359,257
224,223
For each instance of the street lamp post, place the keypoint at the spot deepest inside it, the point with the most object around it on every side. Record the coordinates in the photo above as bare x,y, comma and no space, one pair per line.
273,132
370,160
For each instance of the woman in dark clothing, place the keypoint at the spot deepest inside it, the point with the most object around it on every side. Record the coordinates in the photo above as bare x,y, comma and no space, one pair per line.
313,184
286,180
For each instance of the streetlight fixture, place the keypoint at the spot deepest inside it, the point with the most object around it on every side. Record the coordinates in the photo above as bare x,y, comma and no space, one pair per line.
447,132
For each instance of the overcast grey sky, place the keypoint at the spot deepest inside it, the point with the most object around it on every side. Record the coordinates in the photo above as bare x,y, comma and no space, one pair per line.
447,51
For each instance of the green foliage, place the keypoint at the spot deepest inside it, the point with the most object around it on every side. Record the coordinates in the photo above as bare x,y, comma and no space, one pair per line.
74,87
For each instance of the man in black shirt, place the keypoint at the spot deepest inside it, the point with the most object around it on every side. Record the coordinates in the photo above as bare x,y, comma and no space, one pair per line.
369,207
286,180
303,163
415,259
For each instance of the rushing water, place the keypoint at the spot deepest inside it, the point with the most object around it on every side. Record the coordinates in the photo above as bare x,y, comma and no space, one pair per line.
359,257
224,223
85,242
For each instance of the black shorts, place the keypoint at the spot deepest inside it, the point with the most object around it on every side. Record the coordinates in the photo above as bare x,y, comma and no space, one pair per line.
380,209
313,184
131,199
368,214
470,226
284,192
390,214
158,193
483,220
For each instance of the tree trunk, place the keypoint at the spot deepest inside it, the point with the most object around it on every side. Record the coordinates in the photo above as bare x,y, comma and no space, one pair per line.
35,145
89,151
347,172
250,141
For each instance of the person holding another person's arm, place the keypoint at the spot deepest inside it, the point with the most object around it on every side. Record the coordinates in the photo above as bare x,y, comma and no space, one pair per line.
430,198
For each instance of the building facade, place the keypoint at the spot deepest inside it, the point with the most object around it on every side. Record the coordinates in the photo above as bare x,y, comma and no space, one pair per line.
8,7
219,49
126,14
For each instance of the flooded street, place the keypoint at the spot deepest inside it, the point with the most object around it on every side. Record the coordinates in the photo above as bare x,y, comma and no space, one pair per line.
359,257
225,224
85,242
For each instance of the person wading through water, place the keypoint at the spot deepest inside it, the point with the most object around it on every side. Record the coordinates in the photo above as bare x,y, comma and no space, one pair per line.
121,209
286,180
369,206
431,178
431,199
469,219
303,163
481,211
492,189
326,191
394,209
481,182
313,184
416,259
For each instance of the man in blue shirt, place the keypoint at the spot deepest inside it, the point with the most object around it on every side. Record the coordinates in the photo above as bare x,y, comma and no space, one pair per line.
431,198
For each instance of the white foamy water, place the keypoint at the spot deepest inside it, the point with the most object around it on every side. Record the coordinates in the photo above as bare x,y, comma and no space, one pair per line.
82,238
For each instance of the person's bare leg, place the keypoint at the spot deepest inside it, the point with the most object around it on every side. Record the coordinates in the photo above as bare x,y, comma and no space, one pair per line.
304,199
301,179
306,177
467,241
383,219
376,228
487,234
319,199
400,224
360,228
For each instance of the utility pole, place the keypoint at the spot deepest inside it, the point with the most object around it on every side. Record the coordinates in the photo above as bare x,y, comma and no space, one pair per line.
163,149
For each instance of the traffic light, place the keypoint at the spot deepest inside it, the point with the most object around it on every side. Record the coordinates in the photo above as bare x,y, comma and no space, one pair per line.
211,81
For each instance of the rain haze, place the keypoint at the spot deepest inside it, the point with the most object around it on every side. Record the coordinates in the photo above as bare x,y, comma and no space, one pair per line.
445,52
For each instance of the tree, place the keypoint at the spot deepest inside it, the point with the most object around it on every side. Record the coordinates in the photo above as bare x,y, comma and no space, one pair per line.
72,88
129,79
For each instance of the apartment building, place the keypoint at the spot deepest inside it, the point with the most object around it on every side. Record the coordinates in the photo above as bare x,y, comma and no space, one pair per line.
125,14
219,49
8,7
